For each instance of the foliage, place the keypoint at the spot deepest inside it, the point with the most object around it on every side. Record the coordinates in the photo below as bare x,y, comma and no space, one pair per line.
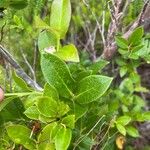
80,103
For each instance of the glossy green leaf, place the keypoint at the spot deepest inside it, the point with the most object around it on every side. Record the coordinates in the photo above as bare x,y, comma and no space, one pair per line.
123,52
69,121
12,111
30,100
98,65
122,43
63,138
39,23
141,89
20,134
123,120
32,113
60,16
68,53
6,101
18,4
146,116
82,74
50,91
120,61
4,3
136,36
139,101
127,85
133,55
91,88
47,40
17,21
121,129
113,105
47,106
79,111
123,70
132,131
57,74
20,82
62,109
46,137
137,48
45,119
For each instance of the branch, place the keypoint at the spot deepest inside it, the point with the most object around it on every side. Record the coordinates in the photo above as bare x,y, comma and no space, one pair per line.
111,46
139,20
20,72
28,64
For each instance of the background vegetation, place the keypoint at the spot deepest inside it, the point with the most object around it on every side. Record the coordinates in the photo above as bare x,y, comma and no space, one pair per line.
75,74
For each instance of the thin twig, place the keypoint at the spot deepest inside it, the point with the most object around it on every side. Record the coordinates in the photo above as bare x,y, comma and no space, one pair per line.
35,57
97,22
28,64
84,136
20,72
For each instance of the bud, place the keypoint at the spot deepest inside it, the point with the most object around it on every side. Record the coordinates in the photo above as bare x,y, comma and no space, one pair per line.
1,94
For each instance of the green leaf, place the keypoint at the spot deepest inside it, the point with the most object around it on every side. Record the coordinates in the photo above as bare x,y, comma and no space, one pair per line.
139,101
79,111
62,108
6,101
63,138
57,74
68,53
20,82
98,65
127,86
17,21
60,16
133,55
122,43
120,61
46,137
136,36
32,113
121,129
146,116
50,91
45,119
136,48
123,120
113,105
39,23
69,121
141,89
12,111
82,74
18,4
47,41
123,70
4,3
132,131
123,52
30,100
47,106
20,134
91,88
